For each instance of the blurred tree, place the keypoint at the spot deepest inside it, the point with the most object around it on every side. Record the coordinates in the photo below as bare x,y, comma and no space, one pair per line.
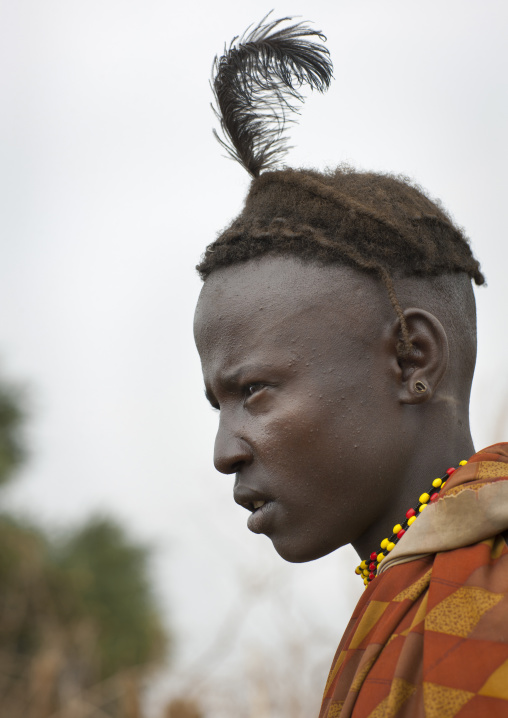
12,416
107,584
77,610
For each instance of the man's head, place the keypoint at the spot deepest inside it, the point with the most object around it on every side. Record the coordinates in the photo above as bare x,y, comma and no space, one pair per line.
317,379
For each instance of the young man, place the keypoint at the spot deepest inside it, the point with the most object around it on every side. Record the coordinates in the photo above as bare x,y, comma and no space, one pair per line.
336,329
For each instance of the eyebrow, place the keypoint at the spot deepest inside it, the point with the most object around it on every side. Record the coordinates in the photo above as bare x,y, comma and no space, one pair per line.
236,374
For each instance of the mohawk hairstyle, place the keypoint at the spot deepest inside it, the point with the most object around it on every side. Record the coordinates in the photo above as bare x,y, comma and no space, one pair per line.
377,223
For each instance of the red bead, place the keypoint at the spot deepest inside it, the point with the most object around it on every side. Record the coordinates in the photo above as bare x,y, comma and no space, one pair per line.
450,471
372,566
435,496
371,576
401,534
373,556
410,513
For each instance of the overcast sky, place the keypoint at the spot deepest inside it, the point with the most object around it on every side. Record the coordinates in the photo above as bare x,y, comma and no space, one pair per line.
111,186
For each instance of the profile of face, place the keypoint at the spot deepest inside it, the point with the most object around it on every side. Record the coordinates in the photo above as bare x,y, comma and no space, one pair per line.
298,358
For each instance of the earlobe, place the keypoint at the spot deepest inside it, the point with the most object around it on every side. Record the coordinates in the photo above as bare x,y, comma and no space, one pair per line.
420,387
419,374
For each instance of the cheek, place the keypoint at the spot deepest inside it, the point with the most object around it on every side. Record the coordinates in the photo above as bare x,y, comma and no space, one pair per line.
301,437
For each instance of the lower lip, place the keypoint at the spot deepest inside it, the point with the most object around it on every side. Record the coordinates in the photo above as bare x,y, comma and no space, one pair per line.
257,520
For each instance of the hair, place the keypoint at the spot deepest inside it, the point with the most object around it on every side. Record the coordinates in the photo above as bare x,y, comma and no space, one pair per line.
377,223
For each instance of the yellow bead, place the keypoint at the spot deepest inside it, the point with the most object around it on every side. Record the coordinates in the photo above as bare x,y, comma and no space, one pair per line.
424,498
423,506
463,462
411,520
358,570
397,528
390,546
380,557
443,485
437,483
384,543
366,572
363,565
366,581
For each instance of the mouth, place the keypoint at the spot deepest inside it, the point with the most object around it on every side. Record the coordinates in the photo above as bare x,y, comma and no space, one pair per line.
252,501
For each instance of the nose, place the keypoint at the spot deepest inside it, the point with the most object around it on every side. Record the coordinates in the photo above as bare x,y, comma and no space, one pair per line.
231,450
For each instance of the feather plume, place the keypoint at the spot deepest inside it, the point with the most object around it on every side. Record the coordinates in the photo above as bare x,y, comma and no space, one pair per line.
257,83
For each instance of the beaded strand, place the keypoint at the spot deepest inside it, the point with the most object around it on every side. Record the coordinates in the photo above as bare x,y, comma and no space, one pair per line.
368,567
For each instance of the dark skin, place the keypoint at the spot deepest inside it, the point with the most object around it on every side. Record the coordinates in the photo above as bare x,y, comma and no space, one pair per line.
319,415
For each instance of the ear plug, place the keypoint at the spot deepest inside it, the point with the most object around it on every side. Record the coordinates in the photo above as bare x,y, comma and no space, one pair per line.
420,387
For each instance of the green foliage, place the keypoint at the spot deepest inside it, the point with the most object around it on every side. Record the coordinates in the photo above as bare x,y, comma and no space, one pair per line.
25,603
107,577
12,416
84,596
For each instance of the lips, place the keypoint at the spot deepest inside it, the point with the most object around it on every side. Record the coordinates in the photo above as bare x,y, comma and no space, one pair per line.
256,503
249,498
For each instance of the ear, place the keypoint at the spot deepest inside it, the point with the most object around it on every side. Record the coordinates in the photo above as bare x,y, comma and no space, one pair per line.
418,375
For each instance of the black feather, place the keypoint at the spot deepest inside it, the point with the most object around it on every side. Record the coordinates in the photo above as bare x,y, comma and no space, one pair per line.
256,84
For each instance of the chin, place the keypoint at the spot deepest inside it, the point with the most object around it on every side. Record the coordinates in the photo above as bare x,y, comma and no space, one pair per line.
296,553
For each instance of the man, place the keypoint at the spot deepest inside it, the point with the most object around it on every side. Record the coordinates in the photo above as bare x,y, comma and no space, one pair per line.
337,333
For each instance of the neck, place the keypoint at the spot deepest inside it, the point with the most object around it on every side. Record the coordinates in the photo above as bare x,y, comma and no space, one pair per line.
428,459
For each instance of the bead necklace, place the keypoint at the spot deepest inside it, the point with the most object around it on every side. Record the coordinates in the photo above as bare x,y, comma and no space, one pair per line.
368,567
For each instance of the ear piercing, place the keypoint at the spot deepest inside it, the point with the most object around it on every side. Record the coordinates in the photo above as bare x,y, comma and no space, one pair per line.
420,387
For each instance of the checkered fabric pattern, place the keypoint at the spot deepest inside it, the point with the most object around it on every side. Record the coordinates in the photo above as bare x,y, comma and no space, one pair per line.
429,637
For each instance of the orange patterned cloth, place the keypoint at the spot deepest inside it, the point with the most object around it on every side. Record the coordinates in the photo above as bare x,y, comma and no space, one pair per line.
429,637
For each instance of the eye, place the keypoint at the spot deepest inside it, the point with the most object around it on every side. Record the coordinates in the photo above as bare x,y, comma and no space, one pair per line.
253,388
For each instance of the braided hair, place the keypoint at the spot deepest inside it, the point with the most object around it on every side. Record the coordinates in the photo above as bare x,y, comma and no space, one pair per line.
376,223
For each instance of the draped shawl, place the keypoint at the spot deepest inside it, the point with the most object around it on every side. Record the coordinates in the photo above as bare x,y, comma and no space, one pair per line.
429,636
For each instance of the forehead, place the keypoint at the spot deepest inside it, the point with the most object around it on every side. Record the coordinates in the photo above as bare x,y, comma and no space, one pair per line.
284,301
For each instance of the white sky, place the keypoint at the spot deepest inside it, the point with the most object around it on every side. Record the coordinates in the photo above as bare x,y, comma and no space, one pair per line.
111,185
